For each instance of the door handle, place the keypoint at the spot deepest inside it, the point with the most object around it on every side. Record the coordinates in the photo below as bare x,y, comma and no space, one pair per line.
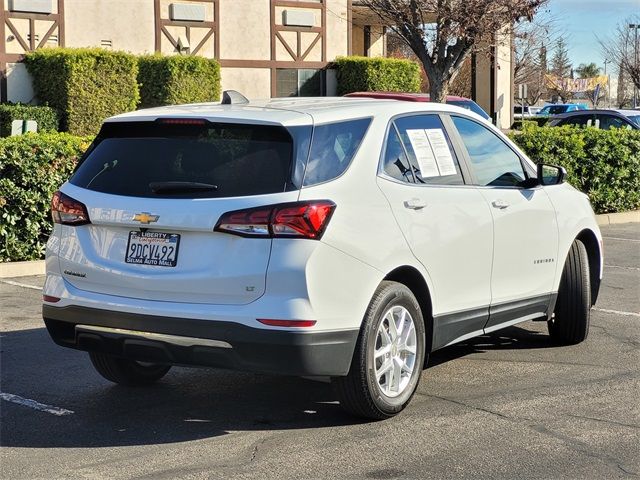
415,204
501,204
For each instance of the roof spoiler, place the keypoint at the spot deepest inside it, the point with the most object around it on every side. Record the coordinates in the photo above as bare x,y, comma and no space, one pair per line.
231,97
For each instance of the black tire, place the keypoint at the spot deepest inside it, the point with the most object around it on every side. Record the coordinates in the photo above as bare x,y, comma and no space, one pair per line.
359,392
570,323
127,372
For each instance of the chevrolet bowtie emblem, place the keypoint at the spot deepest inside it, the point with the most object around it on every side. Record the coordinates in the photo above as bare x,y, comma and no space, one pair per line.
145,217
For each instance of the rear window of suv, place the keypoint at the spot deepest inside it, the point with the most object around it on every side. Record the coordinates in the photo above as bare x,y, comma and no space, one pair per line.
207,160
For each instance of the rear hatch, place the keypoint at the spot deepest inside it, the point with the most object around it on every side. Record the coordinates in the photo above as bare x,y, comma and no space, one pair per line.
154,192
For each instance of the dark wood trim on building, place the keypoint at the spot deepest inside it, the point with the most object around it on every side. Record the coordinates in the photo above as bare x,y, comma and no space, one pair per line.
3,64
298,54
349,27
273,64
29,43
213,29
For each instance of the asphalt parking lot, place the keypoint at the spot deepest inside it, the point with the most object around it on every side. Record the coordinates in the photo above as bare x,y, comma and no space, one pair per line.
506,405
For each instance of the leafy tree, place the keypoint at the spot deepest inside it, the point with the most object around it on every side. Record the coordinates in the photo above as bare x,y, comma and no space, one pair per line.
444,33
588,70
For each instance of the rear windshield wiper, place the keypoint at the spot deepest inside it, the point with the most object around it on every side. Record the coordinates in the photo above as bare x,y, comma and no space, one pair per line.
181,187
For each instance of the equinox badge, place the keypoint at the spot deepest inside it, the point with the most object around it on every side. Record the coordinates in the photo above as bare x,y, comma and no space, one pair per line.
145,217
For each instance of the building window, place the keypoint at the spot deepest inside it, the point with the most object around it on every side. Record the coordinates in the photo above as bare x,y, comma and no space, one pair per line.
303,82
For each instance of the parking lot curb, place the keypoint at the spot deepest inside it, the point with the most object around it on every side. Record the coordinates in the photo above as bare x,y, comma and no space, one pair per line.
21,269
615,218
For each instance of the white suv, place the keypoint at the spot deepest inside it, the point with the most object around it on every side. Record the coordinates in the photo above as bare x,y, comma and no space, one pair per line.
339,237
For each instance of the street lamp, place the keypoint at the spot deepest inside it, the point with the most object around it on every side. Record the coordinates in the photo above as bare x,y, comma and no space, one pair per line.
635,26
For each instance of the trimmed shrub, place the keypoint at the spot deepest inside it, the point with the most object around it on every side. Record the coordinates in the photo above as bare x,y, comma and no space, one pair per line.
46,117
177,79
32,167
364,74
605,164
84,85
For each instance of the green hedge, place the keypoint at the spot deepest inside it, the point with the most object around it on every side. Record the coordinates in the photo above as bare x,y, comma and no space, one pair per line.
364,74
84,85
32,167
177,79
46,117
605,164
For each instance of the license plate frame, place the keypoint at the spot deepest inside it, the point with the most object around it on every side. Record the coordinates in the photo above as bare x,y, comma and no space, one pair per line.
154,255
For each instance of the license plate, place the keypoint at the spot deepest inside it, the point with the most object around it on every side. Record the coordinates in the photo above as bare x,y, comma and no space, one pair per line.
153,248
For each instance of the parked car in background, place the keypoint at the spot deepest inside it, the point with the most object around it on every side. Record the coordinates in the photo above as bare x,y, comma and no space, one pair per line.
602,119
559,108
525,111
462,102
334,237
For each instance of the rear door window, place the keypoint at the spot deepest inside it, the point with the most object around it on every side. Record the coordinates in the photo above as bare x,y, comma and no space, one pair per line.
429,149
207,160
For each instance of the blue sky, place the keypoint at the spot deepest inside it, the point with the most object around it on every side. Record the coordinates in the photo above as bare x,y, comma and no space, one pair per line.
581,20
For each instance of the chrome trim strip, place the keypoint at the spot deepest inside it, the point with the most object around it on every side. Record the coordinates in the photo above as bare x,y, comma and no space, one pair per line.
162,337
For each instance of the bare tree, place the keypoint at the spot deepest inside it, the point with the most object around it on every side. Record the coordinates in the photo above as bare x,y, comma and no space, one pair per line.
443,33
460,86
624,94
531,40
621,49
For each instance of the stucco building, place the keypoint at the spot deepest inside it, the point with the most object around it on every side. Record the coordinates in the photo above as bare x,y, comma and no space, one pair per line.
266,48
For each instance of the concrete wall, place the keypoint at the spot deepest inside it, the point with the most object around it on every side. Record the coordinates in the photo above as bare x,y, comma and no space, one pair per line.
128,24
253,83
504,93
377,39
337,29
493,80
19,88
245,36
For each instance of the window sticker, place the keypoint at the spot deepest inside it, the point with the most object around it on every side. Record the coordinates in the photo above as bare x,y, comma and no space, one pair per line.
424,154
440,147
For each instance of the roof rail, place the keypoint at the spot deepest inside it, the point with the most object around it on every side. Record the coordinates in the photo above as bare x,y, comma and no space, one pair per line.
231,97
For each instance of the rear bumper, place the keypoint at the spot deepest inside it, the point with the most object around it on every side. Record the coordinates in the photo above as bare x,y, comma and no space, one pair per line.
185,341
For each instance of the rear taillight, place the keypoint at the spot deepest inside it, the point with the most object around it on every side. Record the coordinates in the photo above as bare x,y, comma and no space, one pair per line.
290,220
67,211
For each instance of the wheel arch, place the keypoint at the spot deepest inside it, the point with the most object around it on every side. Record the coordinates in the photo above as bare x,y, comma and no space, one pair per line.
594,253
415,281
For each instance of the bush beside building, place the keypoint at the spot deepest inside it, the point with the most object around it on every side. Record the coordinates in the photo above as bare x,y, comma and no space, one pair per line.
174,80
84,85
364,74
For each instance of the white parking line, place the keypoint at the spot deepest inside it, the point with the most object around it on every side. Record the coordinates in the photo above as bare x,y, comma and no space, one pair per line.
27,402
623,239
18,284
618,312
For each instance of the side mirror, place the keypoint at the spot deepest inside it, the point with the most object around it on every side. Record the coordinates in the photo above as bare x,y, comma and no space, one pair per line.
551,174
